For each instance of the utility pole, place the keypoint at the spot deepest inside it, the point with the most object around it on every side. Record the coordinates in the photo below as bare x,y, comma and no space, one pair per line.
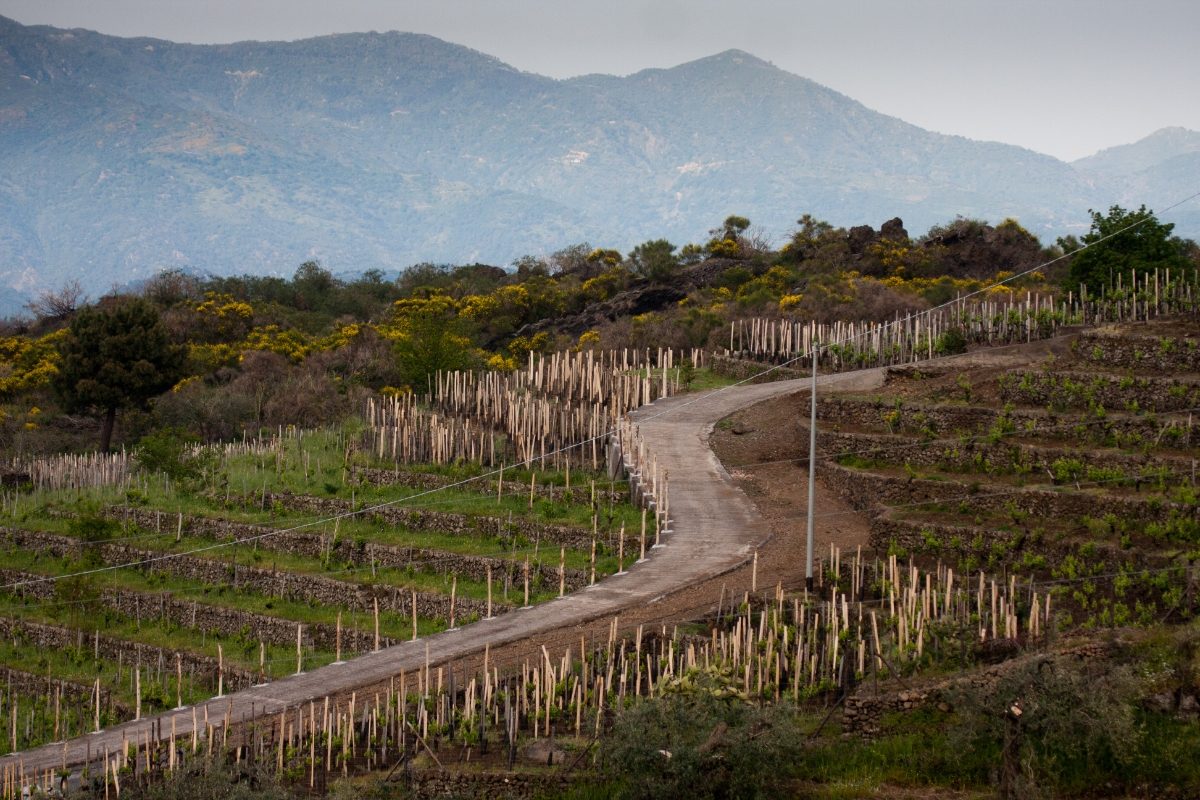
812,472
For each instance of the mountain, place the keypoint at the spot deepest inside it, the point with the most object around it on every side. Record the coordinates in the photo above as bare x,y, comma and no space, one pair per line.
1145,154
1163,166
120,157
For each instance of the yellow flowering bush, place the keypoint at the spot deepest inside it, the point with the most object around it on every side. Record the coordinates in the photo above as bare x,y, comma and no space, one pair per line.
290,343
28,363
790,301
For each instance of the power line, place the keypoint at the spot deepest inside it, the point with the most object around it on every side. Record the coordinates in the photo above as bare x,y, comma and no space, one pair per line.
599,437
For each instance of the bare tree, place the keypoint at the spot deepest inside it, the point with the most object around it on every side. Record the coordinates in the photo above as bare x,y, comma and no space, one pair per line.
55,306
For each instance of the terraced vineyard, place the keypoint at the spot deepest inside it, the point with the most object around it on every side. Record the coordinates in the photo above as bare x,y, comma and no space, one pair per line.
252,569
1077,472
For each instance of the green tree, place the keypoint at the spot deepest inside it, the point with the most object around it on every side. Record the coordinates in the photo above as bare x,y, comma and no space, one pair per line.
654,259
314,285
116,358
433,339
1139,242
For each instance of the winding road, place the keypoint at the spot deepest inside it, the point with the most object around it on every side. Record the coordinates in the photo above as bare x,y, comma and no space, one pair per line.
714,529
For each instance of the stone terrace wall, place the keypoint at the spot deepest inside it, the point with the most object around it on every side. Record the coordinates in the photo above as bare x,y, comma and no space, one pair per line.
740,369
964,540
493,785
375,476
948,419
271,583
979,455
79,694
199,667
349,550
450,524
215,620
867,491
1079,390
1110,348
863,712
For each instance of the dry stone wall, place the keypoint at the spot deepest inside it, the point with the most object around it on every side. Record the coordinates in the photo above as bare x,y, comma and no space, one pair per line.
943,420
863,712
375,476
214,620
428,784
1061,389
199,667
740,369
1111,347
20,682
314,589
980,455
867,491
349,550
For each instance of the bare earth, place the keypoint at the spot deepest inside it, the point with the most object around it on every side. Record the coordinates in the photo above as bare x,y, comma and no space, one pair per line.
716,529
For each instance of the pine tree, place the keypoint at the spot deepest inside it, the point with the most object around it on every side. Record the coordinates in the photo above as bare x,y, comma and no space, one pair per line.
114,359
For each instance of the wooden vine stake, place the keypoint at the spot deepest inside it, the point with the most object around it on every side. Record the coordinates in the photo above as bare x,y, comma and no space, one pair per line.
526,582
642,539
621,551
562,571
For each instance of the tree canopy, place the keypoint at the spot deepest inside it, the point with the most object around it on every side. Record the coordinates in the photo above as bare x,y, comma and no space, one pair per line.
1138,242
116,358
654,259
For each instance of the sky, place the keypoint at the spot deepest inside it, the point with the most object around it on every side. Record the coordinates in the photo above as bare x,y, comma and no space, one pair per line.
1063,77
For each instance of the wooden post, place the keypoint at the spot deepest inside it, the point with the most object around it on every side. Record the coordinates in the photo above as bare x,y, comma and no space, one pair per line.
489,591
220,670
621,551
337,637
299,651
414,615
642,540
376,609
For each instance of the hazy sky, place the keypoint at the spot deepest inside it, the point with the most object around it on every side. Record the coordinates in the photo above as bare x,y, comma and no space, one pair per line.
1065,77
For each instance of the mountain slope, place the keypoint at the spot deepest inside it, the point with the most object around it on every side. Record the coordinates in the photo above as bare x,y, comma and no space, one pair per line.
1155,149
120,157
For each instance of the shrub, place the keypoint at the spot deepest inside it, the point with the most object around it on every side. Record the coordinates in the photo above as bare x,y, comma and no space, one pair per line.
951,342
700,740
1076,725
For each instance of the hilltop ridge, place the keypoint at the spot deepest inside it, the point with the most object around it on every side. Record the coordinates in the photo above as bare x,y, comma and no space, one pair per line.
123,157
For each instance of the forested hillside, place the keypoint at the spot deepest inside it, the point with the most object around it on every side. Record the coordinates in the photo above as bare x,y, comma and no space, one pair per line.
124,157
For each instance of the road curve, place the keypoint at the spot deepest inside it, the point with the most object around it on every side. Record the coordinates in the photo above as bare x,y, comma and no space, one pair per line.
714,528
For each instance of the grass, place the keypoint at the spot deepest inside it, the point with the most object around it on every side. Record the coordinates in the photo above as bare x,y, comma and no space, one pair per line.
315,464
398,626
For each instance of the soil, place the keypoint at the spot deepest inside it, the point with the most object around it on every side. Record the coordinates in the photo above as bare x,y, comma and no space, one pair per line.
765,449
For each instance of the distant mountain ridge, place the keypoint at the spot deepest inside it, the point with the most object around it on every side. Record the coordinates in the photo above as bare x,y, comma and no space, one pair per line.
120,157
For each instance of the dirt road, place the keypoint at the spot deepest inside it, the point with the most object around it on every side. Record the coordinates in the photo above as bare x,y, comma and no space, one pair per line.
715,529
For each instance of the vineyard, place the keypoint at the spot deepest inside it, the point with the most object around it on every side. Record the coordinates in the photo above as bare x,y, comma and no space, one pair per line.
1001,498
